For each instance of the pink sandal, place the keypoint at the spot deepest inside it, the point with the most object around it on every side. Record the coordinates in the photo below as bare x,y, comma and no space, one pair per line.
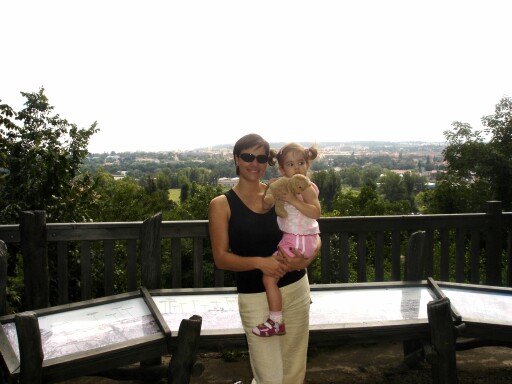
269,328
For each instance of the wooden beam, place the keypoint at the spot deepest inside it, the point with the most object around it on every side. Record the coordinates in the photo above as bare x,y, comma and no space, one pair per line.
31,349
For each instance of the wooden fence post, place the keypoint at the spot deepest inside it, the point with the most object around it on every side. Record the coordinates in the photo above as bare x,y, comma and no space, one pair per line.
3,278
183,361
414,271
509,259
31,349
443,336
494,244
34,248
151,263
415,257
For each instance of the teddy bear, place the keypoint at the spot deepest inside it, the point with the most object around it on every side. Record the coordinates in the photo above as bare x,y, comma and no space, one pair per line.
296,184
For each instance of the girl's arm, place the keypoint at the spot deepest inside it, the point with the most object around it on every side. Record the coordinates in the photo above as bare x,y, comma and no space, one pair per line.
218,216
310,207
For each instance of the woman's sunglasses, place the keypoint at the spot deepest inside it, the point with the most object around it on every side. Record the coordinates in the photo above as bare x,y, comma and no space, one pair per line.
249,158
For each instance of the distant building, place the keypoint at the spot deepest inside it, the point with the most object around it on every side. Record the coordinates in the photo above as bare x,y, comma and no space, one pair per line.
401,172
112,160
120,175
146,160
227,182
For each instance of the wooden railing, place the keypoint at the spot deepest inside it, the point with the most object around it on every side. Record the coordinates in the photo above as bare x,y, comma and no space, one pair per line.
79,261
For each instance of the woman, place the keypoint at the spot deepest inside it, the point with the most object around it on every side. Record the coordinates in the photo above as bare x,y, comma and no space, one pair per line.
244,235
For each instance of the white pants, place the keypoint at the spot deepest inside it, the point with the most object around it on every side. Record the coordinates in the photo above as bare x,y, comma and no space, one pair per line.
278,359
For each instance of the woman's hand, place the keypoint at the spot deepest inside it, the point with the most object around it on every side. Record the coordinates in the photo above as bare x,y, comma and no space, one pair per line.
292,263
272,266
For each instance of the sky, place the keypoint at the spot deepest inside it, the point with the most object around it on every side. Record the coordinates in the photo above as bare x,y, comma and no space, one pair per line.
165,75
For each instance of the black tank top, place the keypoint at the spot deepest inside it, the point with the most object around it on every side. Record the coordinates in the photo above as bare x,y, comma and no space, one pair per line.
254,234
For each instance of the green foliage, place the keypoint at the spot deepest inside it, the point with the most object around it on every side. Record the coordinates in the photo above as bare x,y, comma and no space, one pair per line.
328,183
42,156
40,168
473,159
371,173
367,203
351,176
174,194
454,194
196,174
15,285
125,200
195,207
185,187
392,186
334,263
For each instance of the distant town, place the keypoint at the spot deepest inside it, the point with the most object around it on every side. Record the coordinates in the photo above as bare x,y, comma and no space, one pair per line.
423,158
326,149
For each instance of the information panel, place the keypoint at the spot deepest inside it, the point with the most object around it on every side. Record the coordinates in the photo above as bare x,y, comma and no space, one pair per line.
83,336
369,307
219,311
84,329
481,306
329,308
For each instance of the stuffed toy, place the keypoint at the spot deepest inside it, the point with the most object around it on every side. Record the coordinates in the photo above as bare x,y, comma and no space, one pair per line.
296,184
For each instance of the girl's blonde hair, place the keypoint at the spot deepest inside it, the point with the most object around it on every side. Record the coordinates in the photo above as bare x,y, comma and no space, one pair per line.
310,153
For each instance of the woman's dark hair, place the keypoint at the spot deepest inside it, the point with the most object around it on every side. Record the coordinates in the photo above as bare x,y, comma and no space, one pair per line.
250,141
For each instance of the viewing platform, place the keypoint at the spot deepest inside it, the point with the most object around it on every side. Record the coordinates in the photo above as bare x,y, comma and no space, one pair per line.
368,284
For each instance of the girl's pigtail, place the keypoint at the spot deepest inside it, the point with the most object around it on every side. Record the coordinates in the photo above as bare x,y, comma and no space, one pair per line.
272,157
311,152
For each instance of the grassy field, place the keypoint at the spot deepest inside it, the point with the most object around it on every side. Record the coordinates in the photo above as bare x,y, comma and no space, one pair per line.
174,194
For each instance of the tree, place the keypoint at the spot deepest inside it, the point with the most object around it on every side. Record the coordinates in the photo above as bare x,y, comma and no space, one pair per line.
42,157
351,176
414,183
392,186
163,179
195,207
367,203
184,190
328,182
372,172
125,200
473,155
454,194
